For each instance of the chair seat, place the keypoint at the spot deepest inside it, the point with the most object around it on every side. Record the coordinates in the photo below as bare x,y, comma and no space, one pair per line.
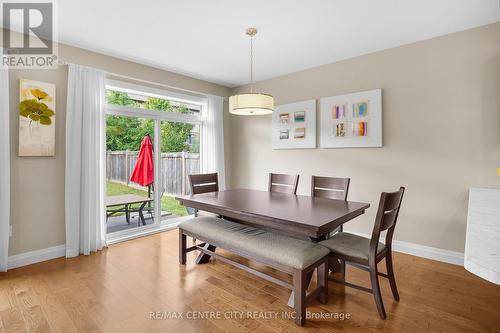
262,245
350,245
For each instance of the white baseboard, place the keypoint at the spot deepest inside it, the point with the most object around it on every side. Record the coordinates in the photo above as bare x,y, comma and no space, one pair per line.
451,257
33,257
36,256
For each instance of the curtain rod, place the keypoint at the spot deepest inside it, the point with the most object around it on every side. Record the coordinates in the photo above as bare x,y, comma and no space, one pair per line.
65,63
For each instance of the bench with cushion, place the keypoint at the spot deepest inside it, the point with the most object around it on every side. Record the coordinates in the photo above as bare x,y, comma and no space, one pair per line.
290,255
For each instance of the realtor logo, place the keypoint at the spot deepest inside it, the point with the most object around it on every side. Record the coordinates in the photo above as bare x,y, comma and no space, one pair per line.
28,35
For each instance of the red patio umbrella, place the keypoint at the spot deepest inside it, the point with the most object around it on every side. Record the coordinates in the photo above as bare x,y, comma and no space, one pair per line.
143,173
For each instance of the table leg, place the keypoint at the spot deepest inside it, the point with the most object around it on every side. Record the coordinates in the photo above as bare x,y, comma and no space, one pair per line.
127,213
291,299
340,228
336,266
141,215
203,258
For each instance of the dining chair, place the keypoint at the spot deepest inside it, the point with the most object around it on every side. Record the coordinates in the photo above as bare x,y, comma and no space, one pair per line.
365,253
281,183
331,188
203,183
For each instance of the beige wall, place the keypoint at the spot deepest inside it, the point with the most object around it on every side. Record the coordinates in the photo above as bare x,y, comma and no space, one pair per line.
441,136
37,195
441,118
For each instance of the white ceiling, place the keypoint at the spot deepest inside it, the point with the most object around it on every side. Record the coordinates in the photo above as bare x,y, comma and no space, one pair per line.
206,38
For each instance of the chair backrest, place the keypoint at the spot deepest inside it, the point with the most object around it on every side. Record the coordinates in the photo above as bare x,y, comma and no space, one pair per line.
387,216
283,183
330,187
204,183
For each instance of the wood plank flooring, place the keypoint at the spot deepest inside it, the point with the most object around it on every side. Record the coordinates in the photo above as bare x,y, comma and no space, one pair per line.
117,289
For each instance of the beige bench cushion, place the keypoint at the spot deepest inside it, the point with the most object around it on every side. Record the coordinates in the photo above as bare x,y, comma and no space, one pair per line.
350,245
251,242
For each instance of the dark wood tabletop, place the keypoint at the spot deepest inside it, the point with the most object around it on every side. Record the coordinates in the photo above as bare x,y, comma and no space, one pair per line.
287,213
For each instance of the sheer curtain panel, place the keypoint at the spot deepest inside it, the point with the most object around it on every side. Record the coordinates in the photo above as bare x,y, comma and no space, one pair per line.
212,143
4,169
85,158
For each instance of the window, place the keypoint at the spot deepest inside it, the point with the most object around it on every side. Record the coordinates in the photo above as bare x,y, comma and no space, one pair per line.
173,123
148,102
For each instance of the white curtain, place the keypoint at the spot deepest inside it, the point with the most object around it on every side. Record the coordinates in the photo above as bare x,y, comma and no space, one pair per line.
212,142
4,169
85,212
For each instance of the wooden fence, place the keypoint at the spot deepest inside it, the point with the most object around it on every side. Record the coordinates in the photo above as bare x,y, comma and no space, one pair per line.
175,167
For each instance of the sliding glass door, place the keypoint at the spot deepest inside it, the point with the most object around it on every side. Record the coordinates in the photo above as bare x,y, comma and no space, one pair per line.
152,146
130,174
180,157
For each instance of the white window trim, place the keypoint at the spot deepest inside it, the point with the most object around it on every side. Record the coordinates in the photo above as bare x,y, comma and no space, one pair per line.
156,92
119,110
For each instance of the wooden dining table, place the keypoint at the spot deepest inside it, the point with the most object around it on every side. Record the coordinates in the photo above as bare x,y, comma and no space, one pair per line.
295,215
290,214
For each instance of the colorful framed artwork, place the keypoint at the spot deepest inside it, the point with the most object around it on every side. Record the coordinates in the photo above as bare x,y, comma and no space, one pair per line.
299,133
284,134
37,118
352,120
294,125
299,116
284,118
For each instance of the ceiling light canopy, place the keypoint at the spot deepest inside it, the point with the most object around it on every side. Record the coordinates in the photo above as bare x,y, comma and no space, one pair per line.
251,104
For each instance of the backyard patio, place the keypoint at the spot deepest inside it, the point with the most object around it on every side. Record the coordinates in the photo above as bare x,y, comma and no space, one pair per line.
173,180
170,208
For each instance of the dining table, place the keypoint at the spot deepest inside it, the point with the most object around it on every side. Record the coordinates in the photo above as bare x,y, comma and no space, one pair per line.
294,215
290,214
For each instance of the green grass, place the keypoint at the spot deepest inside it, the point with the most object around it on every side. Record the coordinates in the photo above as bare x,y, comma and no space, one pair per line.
168,203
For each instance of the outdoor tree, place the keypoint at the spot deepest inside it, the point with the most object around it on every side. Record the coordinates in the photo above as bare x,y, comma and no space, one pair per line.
120,98
126,133
174,136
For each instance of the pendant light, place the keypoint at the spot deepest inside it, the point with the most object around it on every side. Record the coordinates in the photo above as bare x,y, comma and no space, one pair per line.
251,104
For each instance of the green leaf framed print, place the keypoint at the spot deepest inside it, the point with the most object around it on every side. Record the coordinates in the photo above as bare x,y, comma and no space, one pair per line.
36,118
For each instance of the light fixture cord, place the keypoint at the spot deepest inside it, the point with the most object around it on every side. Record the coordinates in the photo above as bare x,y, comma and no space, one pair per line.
251,64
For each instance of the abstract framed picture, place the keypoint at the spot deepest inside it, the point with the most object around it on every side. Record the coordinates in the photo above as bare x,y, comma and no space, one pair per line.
351,120
294,125
37,118
284,134
284,118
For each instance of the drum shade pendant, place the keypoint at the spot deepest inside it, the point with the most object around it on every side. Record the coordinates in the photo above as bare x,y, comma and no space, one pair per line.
251,104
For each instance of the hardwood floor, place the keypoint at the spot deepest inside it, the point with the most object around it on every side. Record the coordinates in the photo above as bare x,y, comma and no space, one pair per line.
116,290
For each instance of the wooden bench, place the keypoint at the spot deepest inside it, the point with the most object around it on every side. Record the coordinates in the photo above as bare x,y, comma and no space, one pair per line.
290,255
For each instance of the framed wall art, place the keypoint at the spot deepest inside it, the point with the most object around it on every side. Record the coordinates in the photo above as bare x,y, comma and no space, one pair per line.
294,125
351,120
37,118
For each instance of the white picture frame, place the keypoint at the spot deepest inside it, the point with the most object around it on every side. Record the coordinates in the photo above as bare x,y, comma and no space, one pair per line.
294,125
351,120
